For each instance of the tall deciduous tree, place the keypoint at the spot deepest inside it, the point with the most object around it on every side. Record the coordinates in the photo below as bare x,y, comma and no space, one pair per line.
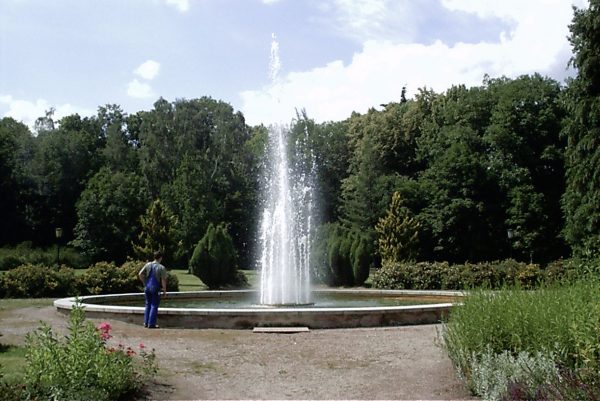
16,146
109,213
580,201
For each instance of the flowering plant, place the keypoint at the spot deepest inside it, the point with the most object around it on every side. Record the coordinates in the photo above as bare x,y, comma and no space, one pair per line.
84,365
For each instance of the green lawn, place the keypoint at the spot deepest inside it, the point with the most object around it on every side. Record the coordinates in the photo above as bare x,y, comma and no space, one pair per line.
189,282
17,303
12,363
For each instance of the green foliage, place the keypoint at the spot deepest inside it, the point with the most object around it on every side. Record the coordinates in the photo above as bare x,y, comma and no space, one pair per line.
349,256
11,257
107,278
108,215
214,260
582,130
37,281
194,157
561,322
397,232
493,374
158,232
361,256
15,139
444,276
83,366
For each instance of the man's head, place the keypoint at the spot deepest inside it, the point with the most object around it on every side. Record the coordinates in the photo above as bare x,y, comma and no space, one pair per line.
158,255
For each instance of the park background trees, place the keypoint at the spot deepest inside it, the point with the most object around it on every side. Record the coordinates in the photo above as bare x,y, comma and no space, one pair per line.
505,169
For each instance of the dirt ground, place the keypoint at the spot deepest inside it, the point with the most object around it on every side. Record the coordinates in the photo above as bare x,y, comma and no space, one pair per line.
377,363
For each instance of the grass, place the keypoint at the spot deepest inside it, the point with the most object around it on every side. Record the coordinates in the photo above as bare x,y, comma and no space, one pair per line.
189,282
18,303
12,363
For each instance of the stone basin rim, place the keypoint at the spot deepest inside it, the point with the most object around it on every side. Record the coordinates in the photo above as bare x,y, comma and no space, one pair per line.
254,316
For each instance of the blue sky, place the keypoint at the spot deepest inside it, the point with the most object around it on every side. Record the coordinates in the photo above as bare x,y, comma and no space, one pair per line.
335,56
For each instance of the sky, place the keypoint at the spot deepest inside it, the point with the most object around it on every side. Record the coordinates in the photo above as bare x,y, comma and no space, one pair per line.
267,58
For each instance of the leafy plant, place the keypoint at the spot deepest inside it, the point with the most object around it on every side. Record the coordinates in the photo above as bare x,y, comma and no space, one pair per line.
37,281
83,366
558,322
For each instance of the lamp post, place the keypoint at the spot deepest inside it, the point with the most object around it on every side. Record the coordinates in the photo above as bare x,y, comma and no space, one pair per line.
58,232
510,234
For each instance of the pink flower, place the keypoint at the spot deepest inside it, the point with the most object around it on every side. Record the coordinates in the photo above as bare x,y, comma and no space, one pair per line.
104,329
142,346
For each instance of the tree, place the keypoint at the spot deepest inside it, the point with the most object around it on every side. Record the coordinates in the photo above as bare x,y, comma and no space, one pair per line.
63,159
398,232
158,232
526,154
108,215
16,146
215,260
582,130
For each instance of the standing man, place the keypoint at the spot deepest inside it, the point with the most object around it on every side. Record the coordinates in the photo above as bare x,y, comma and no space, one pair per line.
154,277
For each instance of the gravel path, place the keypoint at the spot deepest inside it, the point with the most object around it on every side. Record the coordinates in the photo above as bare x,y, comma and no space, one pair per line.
376,363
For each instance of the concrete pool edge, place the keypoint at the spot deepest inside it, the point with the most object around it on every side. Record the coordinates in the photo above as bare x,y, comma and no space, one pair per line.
250,317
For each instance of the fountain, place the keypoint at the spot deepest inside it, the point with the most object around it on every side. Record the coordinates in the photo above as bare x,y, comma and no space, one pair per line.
285,297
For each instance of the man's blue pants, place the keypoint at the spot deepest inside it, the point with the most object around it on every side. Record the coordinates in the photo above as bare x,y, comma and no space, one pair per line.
152,301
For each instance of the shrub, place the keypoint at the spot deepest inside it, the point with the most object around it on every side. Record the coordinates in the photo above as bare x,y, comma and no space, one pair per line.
107,278
214,260
441,275
560,321
37,281
570,270
82,366
494,375
24,254
361,257
349,256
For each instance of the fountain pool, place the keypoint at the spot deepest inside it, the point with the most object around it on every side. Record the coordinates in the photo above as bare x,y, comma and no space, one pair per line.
237,310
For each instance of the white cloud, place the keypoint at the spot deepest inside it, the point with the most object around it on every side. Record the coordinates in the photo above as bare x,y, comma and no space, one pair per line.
139,90
28,111
148,69
374,19
180,5
378,72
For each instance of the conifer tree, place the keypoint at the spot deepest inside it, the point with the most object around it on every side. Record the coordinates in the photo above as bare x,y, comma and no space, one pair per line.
397,232
158,233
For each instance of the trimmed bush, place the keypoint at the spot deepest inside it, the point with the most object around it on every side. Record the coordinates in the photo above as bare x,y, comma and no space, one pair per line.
107,278
441,275
37,281
349,256
215,260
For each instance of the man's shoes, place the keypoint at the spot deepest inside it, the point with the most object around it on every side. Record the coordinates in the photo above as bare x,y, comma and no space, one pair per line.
154,327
